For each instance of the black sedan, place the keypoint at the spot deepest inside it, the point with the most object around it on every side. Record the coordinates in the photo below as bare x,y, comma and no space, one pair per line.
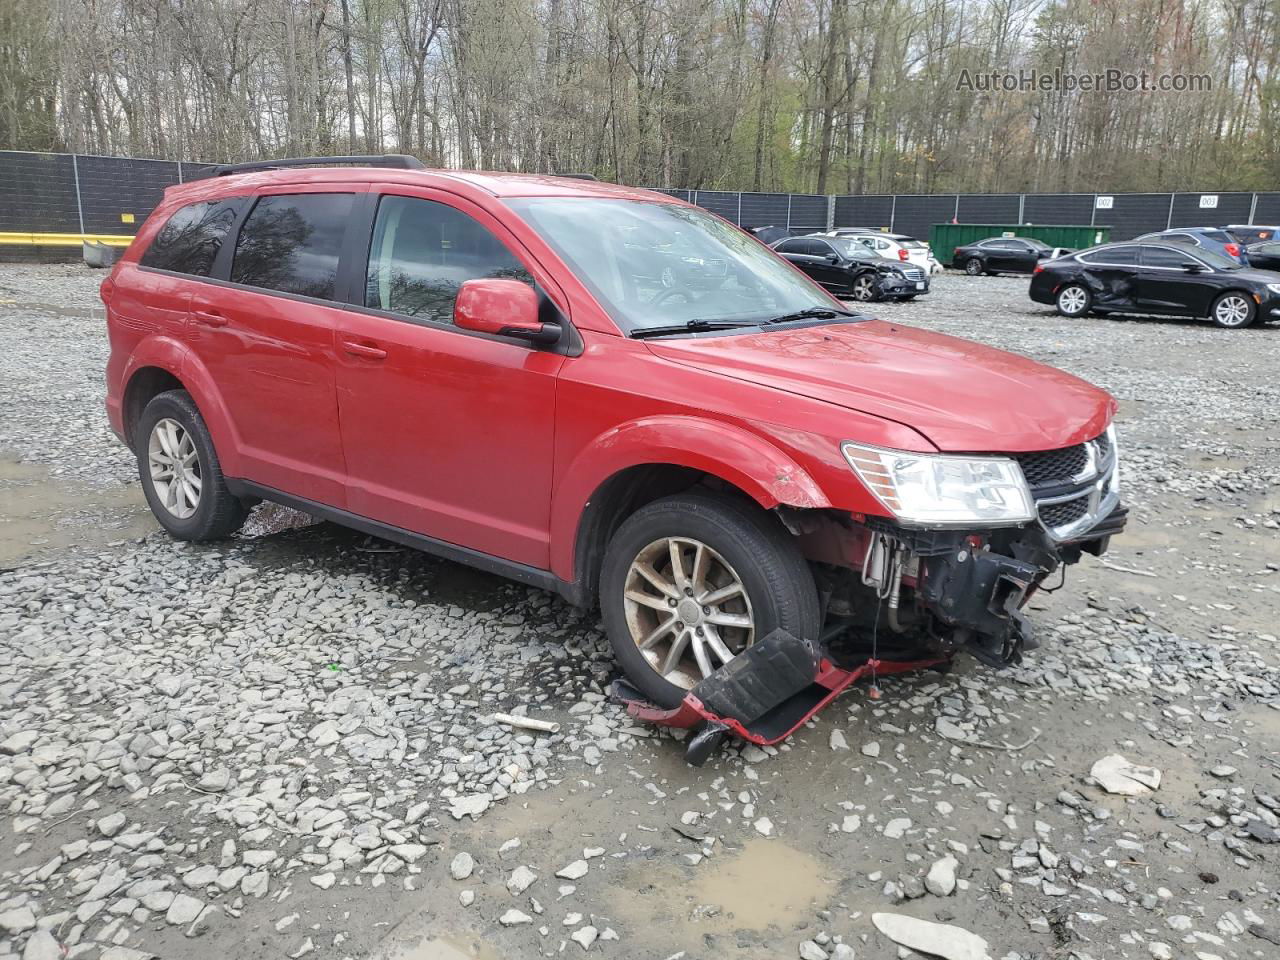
1001,255
1158,278
849,269
1264,256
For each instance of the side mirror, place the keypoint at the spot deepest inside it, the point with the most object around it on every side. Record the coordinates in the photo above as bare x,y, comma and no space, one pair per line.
505,307
1192,267
832,258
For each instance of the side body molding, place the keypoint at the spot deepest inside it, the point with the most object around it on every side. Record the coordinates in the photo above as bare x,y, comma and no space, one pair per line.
735,455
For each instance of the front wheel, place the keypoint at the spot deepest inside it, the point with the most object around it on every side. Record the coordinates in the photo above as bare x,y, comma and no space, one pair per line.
1074,300
1233,310
180,472
690,581
864,288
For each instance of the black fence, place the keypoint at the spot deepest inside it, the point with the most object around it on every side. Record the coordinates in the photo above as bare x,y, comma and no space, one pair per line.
66,194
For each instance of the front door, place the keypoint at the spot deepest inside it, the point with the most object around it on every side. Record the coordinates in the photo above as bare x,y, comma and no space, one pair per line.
446,432
1166,286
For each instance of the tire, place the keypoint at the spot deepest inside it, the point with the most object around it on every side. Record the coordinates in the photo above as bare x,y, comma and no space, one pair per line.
746,543
973,267
1233,310
171,420
863,288
1074,300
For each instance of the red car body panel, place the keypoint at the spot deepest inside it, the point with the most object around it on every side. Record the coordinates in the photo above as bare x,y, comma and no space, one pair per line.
499,447
963,396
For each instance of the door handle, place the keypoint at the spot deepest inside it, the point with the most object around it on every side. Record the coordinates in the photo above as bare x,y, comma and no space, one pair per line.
210,318
368,351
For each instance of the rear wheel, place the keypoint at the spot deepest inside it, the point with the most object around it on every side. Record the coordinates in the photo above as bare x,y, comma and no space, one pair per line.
973,267
180,473
1074,300
691,581
1233,310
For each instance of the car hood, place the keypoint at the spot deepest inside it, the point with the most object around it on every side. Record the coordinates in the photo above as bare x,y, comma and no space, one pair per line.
961,395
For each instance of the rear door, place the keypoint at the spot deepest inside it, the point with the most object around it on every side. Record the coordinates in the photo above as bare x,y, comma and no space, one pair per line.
446,432
266,336
1112,272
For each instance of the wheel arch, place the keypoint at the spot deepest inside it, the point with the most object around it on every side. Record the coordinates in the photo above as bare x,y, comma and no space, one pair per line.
161,364
1246,293
644,460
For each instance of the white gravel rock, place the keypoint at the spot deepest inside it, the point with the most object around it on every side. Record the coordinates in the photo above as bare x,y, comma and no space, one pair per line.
461,866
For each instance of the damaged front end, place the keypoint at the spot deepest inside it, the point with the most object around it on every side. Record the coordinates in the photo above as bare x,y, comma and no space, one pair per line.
901,595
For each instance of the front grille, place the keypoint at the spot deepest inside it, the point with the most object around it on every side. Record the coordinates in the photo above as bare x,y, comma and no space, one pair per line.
1053,466
1052,474
1060,514
913,275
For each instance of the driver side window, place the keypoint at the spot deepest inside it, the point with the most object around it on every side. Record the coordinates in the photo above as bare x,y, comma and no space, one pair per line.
423,251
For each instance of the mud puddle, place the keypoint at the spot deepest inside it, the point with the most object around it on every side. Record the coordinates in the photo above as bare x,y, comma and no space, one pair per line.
764,885
40,515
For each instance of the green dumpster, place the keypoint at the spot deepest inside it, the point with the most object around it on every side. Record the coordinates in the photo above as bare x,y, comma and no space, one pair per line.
945,237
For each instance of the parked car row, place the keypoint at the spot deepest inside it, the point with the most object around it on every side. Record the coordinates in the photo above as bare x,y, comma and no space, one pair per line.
1230,275
1155,275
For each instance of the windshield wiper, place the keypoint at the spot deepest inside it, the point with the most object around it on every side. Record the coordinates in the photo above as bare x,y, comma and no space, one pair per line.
812,313
690,326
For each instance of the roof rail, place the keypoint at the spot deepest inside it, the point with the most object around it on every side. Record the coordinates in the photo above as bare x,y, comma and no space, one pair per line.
400,161
579,176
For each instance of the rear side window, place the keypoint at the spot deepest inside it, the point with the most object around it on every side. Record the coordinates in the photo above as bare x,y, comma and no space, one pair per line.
1123,255
789,246
190,239
292,242
423,251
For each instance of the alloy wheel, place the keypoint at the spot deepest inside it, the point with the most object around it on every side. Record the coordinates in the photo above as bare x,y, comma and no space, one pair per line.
175,468
1232,311
687,609
1072,300
864,288
973,267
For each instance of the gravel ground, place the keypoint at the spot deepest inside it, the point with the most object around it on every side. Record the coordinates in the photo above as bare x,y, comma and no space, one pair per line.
282,745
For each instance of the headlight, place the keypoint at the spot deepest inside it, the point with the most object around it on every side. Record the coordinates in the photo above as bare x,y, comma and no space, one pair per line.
943,490
1274,287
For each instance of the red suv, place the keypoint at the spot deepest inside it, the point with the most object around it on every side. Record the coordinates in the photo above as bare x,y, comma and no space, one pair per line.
601,391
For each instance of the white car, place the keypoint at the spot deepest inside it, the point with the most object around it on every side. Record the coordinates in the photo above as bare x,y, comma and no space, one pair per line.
893,246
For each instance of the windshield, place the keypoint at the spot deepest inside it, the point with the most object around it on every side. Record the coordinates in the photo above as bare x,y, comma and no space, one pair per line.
652,264
852,247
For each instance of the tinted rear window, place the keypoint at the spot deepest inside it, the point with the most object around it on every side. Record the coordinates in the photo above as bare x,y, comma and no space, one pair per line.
292,242
190,239
1123,255
1218,235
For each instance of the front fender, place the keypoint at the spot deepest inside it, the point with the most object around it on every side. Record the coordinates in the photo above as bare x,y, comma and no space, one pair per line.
176,357
747,461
